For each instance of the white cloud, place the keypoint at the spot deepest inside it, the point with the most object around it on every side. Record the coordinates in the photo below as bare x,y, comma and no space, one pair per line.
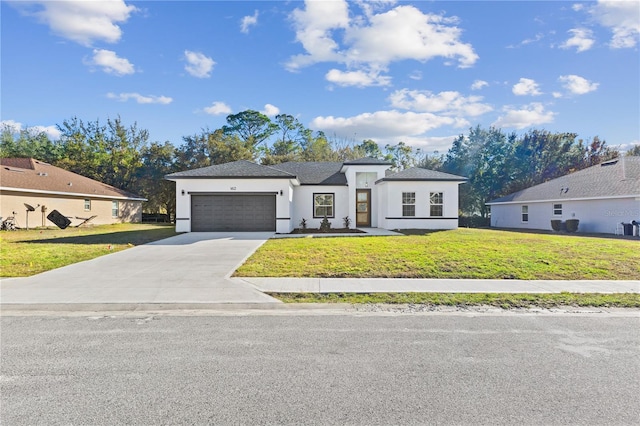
198,65
581,39
248,21
81,21
383,126
526,41
16,127
110,62
51,131
622,17
416,75
430,143
446,103
526,86
530,115
314,25
357,78
479,84
11,125
218,108
270,110
141,99
577,85
370,42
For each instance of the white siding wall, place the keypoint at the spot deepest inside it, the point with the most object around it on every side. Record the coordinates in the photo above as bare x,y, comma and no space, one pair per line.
597,216
234,186
390,208
303,205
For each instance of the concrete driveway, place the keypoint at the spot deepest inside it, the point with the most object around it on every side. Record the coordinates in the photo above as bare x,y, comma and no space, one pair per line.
191,268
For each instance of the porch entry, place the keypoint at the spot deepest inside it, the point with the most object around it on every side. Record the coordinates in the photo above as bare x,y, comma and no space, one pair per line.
363,207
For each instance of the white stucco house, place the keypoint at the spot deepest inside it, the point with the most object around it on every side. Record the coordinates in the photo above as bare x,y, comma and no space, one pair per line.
601,197
245,196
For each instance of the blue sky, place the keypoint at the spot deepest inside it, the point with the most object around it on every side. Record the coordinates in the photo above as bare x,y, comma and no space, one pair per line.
418,71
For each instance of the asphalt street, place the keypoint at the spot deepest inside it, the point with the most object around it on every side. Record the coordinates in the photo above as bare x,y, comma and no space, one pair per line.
143,368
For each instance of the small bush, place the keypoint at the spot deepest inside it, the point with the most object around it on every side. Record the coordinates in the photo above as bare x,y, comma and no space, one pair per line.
347,222
474,222
572,225
325,225
556,225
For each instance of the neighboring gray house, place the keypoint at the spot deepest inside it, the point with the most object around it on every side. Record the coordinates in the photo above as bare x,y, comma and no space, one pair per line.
244,196
601,197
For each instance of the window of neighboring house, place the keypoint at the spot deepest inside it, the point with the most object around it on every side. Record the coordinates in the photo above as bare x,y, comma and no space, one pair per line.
323,205
115,209
436,204
87,205
408,204
525,213
557,209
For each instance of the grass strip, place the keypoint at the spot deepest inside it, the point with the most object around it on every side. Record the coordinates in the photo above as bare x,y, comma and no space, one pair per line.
501,300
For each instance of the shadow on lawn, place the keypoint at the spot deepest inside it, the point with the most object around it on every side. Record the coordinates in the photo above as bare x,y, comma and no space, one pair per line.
419,232
136,237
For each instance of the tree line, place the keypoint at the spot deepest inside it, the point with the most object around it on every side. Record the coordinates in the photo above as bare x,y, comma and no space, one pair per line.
496,163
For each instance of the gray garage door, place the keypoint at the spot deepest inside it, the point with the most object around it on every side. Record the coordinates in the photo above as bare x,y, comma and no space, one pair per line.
237,212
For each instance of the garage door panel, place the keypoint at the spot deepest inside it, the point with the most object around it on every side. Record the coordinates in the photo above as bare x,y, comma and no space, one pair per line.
241,212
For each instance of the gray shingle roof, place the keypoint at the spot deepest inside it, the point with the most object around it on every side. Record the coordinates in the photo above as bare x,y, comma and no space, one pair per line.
315,173
367,161
242,169
620,177
418,174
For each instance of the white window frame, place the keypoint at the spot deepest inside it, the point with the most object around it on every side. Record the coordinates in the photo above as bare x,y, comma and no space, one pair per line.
320,201
436,199
557,211
525,214
87,204
115,209
408,200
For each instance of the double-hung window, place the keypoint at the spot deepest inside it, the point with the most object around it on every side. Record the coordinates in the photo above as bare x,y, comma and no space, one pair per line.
436,204
408,204
525,213
557,209
323,205
115,209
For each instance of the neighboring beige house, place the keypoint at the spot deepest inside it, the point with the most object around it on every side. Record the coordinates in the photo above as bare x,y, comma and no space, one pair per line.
46,188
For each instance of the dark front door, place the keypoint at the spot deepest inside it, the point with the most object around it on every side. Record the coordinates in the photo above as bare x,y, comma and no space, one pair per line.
363,207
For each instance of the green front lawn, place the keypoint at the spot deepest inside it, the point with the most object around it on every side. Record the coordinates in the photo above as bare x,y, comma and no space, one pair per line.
24,253
461,253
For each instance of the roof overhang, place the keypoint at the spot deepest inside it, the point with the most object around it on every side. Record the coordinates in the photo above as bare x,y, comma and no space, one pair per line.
459,181
72,194
558,200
